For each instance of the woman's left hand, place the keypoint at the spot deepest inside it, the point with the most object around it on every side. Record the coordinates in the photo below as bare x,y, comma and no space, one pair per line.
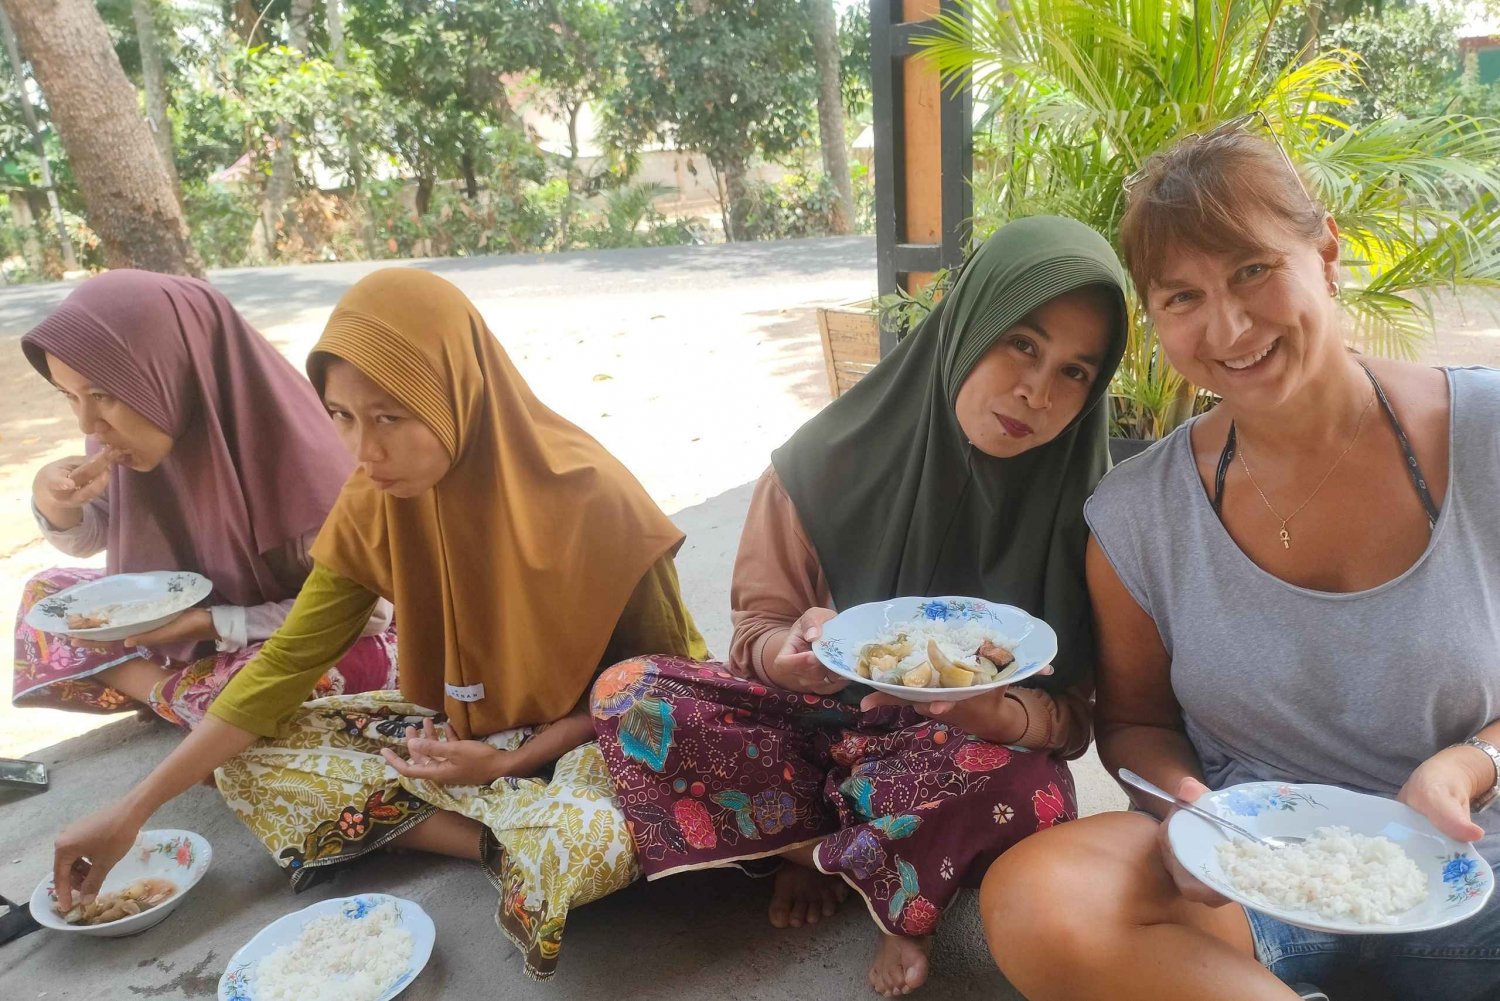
433,756
1442,787
989,716
192,626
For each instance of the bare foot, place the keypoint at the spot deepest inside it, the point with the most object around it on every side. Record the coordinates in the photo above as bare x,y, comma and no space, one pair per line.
803,896
900,965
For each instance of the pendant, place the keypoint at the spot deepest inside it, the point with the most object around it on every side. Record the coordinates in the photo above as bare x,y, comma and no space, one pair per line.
1286,539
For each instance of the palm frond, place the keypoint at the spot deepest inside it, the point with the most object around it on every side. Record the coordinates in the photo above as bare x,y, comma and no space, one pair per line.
1082,92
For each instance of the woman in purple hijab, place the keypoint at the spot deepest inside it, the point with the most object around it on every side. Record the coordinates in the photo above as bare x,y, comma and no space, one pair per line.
206,451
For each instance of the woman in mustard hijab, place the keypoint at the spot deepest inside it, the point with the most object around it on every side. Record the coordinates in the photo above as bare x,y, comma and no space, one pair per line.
521,558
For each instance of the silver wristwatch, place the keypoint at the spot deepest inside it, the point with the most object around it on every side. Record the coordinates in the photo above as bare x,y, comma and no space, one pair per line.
1489,796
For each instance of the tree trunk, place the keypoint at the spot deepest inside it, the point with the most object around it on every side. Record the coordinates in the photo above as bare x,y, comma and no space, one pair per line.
334,19
471,181
566,226
155,79
247,21
279,216
13,54
825,32
736,198
130,201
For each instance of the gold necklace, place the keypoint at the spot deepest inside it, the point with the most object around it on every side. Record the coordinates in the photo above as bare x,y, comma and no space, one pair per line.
1286,537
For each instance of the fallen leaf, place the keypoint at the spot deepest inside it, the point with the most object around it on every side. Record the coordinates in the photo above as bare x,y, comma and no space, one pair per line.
603,377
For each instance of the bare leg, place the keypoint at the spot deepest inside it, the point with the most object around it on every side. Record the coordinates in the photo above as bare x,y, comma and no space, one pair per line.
802,895
136,678
443,833
1087,910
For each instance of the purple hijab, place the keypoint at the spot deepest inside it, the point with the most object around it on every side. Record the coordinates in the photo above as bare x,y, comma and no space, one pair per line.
255,461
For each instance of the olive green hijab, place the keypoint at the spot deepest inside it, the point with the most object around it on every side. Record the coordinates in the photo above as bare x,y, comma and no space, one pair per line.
895,500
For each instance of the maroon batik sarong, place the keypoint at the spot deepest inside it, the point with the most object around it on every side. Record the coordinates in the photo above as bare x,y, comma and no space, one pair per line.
712,770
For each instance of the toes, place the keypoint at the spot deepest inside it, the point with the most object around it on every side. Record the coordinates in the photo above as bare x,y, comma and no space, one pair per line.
780,913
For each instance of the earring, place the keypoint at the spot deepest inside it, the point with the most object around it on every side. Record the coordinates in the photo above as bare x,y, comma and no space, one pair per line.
1333,289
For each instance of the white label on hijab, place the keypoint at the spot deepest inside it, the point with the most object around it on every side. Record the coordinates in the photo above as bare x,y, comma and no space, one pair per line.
465,693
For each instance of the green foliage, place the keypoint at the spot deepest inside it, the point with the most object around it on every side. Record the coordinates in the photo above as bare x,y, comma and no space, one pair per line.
1408,55
1081,92
854,46
220,221
800,205
628,217
429,91
730,79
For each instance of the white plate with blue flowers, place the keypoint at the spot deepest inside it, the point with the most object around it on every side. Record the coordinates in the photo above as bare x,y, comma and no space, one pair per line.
1459,881
239,981
118,606
1029,640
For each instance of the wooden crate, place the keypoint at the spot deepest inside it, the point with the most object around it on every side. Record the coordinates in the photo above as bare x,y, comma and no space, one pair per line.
851,343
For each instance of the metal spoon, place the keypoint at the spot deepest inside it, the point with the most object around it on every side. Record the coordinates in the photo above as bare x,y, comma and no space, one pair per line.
1155,790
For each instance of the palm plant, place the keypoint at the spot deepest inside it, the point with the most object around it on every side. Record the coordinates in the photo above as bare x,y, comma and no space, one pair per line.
1081,92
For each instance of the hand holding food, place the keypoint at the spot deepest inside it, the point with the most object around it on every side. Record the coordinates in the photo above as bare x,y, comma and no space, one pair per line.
795,667
1190,886
64,487
87,850
189,627
1443,787
989,715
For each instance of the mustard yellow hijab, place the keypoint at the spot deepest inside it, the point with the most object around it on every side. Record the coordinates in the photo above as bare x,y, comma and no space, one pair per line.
509,575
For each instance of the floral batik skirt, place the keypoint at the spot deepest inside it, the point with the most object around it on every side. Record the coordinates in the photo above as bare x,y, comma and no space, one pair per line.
710,770
321,794
57,672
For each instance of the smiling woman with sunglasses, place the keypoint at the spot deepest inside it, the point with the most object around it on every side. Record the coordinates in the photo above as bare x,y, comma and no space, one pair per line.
1302,585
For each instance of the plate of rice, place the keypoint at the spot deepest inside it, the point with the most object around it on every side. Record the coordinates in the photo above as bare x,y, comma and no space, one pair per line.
119,606
364,948
1369,866
935,649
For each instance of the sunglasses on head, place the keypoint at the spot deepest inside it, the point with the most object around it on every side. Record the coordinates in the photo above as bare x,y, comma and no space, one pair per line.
1235,126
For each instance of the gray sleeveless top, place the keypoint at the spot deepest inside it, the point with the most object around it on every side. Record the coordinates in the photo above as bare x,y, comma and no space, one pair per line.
1283,683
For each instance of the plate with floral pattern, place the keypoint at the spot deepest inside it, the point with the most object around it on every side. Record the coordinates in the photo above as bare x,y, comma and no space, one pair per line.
1459,881
239,981
1030,640
121,605
179,857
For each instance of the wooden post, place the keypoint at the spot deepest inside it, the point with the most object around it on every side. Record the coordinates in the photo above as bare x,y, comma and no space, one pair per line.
921,147
923,153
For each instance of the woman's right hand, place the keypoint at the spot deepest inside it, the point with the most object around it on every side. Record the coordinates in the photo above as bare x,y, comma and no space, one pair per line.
795,667
87,850
67,485
1192,888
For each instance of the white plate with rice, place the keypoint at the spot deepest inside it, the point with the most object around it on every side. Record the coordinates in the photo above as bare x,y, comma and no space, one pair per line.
364,948
1370,866
959,626
122,605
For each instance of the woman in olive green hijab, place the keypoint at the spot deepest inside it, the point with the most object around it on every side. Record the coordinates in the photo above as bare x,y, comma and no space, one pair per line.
959,466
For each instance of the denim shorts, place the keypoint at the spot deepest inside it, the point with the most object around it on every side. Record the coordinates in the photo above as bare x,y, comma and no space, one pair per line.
1457,963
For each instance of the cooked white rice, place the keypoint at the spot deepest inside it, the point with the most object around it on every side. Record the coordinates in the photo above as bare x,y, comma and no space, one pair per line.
1334,873
134,611
337,958
958,640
